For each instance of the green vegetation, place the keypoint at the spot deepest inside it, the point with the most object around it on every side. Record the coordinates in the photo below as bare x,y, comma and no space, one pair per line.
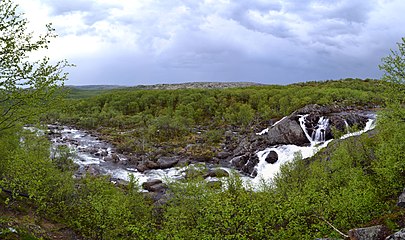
353,183
26,88
140,121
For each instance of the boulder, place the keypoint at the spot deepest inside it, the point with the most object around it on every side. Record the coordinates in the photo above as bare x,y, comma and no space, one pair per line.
154,185
146,165
223,155
115,157
400,235
378,232
93,170
287,131
272,157
217,173
249,167
401,199
167,162
240,161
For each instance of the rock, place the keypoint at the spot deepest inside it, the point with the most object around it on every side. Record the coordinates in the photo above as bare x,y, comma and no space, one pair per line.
288,131
249,167
91,150
167,162
272,157
93,170
223,155
115,157
400,235
154,185
378,232
217,173
401,199
240,161
141,167
161,187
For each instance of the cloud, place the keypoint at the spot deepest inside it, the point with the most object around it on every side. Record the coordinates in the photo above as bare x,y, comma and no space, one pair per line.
277,41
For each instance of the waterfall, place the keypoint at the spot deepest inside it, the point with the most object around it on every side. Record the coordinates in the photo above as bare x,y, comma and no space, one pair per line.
319,134
287,153
347,127
302,120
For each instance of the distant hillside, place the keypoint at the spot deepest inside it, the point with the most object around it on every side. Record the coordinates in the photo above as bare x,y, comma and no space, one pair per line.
93,90
205,85
95,87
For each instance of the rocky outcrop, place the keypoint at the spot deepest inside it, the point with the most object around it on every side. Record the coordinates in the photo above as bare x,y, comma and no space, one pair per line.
369,233
319,120
154,185
400,235
401,199
288,131
161,163
167,162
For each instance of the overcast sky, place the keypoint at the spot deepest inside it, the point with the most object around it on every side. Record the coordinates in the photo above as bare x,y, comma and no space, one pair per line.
132,42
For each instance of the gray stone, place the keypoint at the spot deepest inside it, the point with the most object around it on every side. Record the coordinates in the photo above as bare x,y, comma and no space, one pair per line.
167,162
288,131
153,185
378,232
400,235
401,199
272,157
218,173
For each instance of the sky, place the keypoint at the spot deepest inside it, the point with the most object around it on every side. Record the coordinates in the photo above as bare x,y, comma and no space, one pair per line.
141,42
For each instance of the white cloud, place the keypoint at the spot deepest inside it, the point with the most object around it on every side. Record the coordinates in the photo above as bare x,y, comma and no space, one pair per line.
275,41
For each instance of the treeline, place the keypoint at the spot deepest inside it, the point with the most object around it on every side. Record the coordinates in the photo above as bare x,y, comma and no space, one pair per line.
147,117
353,183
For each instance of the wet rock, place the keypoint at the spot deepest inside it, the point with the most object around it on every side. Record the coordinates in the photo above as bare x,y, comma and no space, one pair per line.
378,232
216,173
155,185
91,150
223,155
115,157
288,131
401,200
167,162
272,157
400,235
151,164
101,153
141,167
240,161
93,170
249,167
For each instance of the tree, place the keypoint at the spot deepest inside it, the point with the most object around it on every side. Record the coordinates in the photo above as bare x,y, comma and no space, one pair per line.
26,87
393,66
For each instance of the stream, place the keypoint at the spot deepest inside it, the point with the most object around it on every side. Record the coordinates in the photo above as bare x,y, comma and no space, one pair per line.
96,156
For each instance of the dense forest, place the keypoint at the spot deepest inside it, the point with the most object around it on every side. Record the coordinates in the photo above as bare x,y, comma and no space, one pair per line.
352,183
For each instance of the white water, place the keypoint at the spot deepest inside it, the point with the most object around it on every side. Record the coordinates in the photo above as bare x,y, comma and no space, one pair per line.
287,153
88,150
79,142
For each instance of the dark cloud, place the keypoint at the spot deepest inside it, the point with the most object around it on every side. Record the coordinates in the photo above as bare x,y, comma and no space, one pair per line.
273,41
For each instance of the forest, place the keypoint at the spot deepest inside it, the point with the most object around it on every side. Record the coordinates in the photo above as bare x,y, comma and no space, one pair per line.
350,184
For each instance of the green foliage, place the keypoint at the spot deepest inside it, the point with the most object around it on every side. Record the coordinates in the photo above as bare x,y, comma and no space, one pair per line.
26,87
146,118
